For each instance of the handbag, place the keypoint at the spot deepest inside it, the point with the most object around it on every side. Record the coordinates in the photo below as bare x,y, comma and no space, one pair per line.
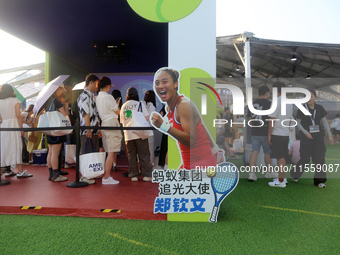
138,120
70,153
91,165
54,119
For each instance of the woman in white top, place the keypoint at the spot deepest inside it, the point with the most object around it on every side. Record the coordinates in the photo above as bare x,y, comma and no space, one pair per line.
150,102
108,111
11,143
134,143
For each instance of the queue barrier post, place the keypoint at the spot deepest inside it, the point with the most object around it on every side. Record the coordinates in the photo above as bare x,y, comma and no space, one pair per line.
77,183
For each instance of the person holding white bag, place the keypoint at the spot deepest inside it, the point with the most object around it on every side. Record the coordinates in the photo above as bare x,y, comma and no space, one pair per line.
108,111
55,142
135,144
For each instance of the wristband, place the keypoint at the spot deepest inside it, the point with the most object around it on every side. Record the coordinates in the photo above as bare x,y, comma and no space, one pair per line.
165,126
215,149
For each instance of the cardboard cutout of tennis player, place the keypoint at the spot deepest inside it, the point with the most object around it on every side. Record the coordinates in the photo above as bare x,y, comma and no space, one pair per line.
183,122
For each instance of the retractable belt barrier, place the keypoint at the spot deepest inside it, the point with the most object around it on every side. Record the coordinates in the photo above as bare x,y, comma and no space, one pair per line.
76,128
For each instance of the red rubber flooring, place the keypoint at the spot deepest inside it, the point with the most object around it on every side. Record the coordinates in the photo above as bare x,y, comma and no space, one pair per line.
127,200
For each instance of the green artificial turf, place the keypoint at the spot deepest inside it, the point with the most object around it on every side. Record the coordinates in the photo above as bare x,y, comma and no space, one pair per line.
254,219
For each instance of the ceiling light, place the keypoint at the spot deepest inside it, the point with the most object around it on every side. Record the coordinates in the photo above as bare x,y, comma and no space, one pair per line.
308,77
237,68
230,76
294,58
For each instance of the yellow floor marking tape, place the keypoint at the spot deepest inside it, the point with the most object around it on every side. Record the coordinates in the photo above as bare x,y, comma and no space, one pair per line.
110,210
300,211
30,207
140,244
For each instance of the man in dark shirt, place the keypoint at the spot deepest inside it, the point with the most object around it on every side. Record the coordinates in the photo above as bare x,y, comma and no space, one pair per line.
259,133
312,142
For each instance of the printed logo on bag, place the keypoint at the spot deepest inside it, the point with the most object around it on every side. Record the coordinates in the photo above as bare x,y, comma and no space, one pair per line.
96,167
66,122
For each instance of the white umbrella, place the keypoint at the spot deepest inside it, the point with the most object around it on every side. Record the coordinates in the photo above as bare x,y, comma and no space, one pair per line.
47,92
79,86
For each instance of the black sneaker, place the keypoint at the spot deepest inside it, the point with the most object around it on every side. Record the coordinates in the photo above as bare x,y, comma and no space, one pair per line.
11,173
63,172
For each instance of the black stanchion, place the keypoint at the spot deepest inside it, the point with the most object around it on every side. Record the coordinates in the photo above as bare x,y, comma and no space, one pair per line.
2,182
77,183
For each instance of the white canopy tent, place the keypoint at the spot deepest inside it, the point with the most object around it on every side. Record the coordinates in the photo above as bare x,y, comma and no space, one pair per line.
29,80
245,60
244,55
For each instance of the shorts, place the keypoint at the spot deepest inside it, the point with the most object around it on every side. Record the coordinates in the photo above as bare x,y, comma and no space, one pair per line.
220,140
112,142
279,147
336,132
55,139
258,141
112,139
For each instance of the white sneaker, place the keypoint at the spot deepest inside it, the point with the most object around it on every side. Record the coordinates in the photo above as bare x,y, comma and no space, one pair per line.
89,181
24,174
109,180
276,183
270,175
147,179
322,185
252,177
134,179
295,179
277,180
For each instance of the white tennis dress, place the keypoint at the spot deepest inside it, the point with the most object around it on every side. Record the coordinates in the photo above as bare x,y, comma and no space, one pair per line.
11,143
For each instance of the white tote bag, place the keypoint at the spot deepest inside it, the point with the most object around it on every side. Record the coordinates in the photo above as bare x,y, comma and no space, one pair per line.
138,120
92,164
54,119
70,153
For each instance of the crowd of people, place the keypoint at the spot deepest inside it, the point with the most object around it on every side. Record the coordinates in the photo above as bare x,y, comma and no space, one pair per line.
97,107
274,138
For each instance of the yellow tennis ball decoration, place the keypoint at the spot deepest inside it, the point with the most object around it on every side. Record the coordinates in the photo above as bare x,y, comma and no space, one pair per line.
164,10
211,171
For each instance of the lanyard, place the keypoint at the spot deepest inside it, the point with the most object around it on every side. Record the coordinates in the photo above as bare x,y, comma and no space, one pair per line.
312,119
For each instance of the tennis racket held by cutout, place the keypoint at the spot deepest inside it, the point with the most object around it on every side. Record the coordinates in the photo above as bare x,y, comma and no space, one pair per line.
223,183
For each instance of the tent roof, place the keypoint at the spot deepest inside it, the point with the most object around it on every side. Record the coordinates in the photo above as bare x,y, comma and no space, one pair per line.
271,59
28,80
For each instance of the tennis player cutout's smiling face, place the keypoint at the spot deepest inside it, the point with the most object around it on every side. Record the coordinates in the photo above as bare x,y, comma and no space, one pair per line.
165,87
